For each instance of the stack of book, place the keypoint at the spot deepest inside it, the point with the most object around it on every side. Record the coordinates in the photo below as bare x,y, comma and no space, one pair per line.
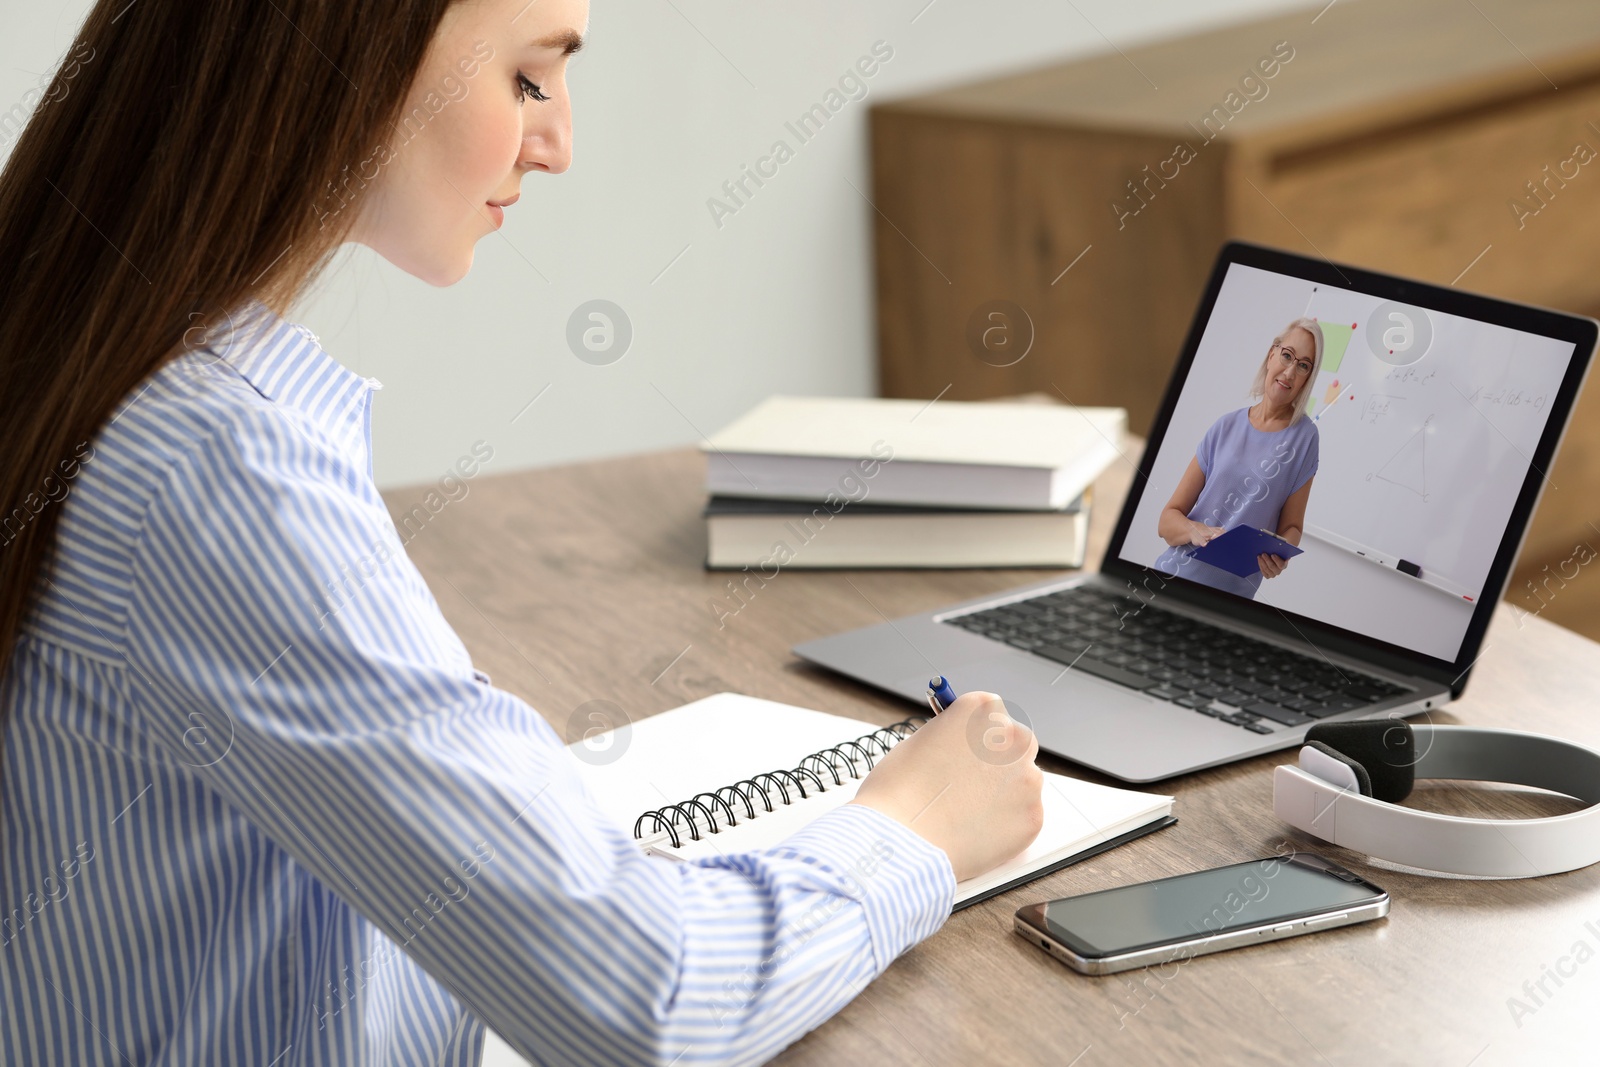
839,482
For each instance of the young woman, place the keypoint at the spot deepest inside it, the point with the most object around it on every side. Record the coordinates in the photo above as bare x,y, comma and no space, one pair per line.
1253,467
236,827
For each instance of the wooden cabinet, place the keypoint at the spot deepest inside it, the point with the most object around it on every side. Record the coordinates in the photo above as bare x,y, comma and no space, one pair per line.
1449,141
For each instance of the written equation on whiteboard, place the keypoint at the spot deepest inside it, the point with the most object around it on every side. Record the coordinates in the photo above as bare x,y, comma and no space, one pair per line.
1377,406
1505,396
1411,375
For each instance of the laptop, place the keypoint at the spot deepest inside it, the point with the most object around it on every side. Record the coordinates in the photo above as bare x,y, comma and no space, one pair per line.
1400,441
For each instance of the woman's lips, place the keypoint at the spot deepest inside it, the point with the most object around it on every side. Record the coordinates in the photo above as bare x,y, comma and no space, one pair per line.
497,208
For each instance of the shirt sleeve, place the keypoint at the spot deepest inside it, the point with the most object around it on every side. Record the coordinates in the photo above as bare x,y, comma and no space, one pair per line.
1206,451
1311,456
276,619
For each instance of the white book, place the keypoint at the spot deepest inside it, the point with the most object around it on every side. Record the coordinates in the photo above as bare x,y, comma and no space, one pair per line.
946,453
712,744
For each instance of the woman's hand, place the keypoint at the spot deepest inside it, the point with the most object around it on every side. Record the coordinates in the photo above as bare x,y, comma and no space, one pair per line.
1271,565
966,782
1200,533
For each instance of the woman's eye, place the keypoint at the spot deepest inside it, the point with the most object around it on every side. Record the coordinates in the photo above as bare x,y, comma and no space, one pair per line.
529,90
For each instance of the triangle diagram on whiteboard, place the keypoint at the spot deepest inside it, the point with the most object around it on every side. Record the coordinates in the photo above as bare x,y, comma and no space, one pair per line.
1407,468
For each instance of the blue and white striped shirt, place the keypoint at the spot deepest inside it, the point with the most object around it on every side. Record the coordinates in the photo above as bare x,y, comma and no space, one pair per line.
240,828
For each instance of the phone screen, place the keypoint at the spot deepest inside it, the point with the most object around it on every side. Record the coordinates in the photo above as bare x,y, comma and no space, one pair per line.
1187,906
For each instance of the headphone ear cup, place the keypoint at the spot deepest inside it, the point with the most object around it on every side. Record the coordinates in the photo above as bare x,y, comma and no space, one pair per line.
1363,779
1385,748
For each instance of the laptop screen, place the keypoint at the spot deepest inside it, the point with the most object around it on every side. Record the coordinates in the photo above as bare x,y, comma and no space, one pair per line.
1386,443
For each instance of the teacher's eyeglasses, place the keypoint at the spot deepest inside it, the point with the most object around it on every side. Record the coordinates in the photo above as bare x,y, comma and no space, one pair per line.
1290,357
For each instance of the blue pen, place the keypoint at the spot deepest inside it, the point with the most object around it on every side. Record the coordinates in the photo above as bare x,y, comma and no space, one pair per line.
940,695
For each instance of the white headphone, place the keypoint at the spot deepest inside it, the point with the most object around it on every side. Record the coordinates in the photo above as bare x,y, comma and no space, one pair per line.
1351,776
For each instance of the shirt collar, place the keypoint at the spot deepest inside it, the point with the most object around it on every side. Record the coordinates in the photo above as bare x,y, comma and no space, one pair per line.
284,362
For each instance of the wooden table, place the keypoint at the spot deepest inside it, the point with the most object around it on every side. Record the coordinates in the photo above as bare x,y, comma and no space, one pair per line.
584,582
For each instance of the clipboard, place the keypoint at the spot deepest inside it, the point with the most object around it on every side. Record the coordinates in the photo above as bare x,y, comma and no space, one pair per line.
1236,550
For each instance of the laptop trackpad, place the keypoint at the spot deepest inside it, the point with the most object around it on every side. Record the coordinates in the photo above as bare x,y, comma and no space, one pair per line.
1035,688
1075,715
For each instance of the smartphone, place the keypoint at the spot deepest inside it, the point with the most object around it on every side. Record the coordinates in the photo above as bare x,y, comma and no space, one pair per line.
1195,914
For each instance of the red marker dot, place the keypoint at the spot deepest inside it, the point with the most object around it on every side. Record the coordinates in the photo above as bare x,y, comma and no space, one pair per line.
1352,325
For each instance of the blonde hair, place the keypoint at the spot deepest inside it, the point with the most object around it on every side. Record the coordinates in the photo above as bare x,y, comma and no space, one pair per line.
1258,388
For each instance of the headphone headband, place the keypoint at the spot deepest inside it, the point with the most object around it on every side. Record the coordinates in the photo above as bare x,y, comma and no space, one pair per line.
1325,796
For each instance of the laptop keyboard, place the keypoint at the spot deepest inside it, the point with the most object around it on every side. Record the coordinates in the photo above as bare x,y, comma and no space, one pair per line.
1208,669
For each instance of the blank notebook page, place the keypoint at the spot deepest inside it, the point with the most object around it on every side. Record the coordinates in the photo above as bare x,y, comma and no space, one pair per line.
727,738
700,747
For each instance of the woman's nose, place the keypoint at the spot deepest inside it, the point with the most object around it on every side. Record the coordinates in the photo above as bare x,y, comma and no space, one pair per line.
547,145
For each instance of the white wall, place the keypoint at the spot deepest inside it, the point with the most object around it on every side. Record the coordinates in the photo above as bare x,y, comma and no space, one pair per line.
776,300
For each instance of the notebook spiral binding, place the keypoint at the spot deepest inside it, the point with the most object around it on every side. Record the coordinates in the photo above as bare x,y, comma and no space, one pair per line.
711,812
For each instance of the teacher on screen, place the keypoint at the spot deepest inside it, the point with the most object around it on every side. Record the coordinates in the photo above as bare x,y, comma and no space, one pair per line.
1253,467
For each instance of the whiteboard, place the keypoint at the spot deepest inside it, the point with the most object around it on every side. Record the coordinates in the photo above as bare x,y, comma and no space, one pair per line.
1424,462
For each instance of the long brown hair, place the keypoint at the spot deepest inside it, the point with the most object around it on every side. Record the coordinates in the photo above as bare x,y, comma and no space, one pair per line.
188,155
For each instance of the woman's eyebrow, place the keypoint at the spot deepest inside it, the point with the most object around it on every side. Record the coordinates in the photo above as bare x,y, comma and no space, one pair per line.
569,41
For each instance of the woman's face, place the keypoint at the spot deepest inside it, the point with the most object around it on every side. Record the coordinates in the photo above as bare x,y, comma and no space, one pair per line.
473,125
1284,380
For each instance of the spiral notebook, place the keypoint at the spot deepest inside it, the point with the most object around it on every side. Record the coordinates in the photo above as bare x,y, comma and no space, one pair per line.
730,773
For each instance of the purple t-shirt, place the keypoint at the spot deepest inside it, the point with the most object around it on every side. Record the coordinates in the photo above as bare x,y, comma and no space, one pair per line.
1250,473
